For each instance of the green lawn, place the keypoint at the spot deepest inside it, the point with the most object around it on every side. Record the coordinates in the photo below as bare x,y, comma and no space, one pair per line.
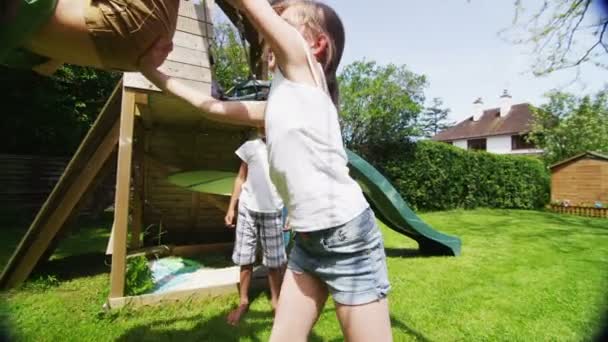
523,276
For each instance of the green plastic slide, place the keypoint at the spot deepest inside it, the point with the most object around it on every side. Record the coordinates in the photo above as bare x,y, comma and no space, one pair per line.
391,209
388,205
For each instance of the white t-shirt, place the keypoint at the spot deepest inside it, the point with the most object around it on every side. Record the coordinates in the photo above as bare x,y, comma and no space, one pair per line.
258,193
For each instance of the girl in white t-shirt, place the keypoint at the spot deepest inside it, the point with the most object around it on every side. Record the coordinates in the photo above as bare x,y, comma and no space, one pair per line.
338,246
259,219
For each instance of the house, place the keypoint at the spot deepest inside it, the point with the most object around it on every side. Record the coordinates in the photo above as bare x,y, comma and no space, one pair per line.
500,130
581,180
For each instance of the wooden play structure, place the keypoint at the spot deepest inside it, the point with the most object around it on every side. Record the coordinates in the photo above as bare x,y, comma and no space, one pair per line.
153,138
149,135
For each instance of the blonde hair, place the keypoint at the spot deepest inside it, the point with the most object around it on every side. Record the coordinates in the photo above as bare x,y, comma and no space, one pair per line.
319,18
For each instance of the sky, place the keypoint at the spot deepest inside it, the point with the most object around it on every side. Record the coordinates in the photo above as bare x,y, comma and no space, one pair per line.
455,43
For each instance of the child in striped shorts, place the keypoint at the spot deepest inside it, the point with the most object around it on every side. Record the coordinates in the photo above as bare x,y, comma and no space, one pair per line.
259,218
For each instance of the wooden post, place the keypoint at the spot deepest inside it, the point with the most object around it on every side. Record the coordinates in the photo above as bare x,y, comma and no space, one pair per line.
123,187
138,194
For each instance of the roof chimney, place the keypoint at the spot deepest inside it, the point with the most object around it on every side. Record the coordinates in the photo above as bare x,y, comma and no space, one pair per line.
477,109
505,103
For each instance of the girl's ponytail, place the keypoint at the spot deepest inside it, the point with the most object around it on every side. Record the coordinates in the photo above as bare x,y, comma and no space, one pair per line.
334,88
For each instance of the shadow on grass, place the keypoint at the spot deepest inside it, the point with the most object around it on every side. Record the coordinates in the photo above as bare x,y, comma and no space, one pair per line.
407,329
393,252
208,328
74,266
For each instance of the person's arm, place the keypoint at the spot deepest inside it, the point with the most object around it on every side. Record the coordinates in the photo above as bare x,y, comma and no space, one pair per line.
280,35
236,193
249,113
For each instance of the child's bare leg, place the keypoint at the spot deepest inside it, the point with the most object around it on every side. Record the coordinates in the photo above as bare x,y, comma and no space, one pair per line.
275,278
234,317
367,322
65,36
304,296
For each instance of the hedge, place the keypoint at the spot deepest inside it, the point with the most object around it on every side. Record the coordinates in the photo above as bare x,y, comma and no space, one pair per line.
437,176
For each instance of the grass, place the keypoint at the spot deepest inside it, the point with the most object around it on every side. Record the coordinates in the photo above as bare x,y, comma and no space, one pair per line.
523,276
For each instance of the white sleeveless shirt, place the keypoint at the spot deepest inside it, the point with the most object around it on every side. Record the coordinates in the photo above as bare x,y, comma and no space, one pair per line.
308,162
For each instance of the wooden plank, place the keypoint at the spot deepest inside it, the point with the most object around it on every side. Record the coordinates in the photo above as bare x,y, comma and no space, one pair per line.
186,71
86,164
194,207
197,250
138,189
151,299
210,32
218,202
193,26
191,10
190,41
123,187
189,56
110,246
138,81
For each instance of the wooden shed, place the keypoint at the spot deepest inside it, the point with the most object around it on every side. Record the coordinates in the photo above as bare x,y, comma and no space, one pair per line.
581,180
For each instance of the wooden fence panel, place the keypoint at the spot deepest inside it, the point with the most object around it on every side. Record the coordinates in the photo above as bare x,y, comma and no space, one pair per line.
580,211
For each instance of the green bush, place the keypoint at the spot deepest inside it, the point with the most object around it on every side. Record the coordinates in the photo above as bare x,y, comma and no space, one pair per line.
437,176
138,276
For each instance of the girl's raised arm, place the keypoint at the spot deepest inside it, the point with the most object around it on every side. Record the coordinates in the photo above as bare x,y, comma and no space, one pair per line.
278,33
249,113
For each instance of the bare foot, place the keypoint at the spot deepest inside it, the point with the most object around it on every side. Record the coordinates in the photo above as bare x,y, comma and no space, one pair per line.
234,317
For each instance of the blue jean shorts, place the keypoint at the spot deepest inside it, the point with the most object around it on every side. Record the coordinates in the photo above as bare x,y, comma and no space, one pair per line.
349,259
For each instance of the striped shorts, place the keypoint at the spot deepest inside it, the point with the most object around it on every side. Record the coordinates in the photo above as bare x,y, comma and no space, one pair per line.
269,228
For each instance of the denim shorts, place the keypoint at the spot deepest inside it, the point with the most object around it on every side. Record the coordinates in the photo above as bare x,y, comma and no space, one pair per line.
349,259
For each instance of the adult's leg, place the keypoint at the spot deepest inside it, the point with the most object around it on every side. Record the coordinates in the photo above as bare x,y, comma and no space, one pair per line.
234,317
302,299
367,322
65,36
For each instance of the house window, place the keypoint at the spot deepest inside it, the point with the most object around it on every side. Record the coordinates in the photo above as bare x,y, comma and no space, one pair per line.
520,142
476,144
449,142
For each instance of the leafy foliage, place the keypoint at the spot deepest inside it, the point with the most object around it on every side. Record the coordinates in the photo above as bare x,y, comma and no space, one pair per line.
138,278
50,115
437,176
379,106
568,125
434,119
230,59
563,34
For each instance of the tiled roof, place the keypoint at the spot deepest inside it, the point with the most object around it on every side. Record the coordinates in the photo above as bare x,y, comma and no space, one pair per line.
517,121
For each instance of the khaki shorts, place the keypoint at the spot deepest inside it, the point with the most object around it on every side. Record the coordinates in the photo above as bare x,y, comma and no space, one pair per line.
123,30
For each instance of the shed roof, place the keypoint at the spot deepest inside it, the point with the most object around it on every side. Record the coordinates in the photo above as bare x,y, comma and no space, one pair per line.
587,154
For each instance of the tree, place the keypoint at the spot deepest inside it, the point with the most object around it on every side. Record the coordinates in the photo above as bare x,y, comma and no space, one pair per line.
230,59
50,115
568,125
434,119
379,105
562,33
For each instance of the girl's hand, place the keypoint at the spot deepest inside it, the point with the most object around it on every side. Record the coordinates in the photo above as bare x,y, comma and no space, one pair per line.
229,219
156,54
